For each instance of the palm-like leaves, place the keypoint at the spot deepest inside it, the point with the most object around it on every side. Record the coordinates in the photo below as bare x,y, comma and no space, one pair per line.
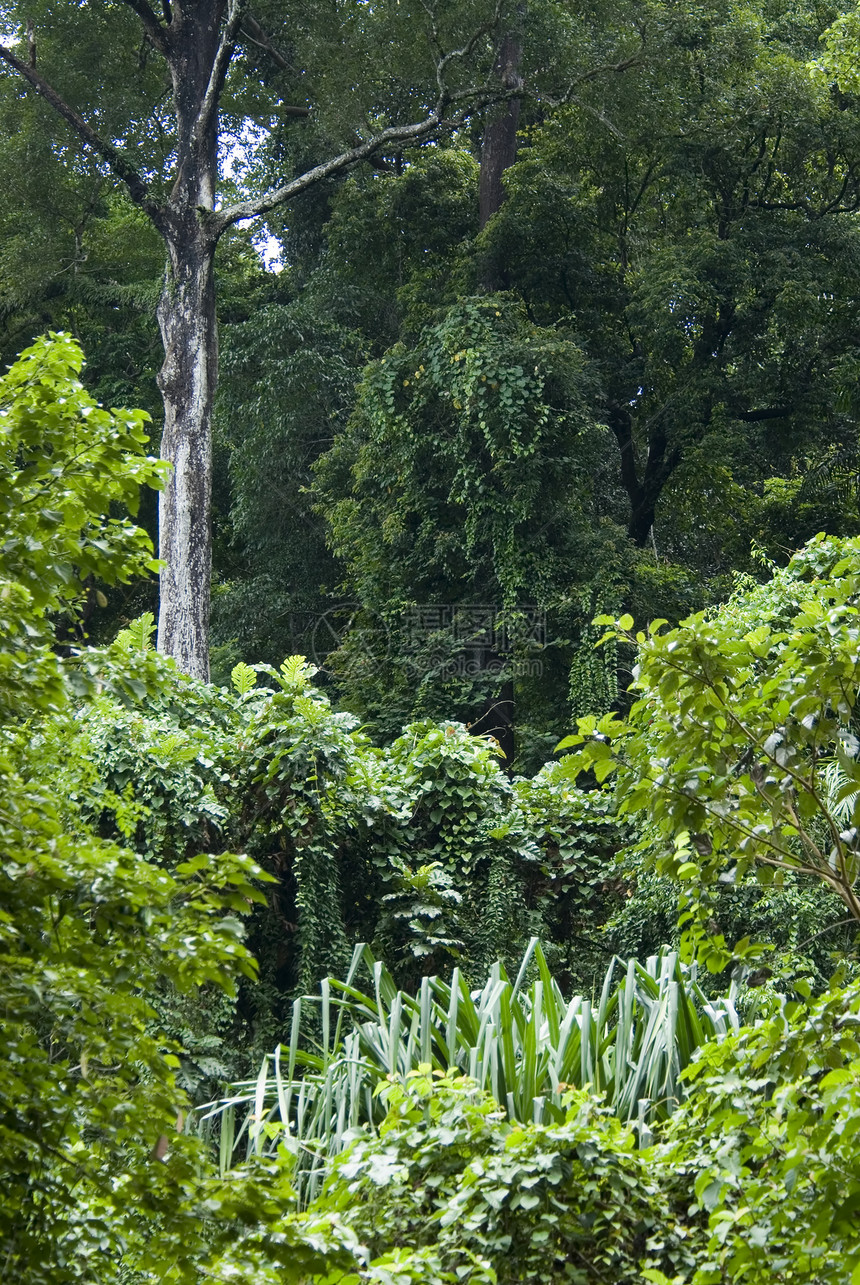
523,1043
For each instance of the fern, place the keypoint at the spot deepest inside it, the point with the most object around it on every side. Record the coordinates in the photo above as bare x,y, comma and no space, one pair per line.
836,476
296,673
138,636
243,677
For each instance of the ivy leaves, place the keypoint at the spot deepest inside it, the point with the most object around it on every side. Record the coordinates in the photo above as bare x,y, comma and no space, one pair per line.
456,443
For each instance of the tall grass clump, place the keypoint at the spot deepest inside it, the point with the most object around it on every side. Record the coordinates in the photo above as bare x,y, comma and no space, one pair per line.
520,1040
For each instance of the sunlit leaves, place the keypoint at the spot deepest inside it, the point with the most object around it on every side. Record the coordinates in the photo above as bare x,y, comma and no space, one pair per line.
63,461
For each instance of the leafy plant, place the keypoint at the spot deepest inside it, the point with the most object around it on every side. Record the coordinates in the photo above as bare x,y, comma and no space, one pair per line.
495,1201
753,1178
523,1043
768,1138
460,479
99,1177
424,849
727,750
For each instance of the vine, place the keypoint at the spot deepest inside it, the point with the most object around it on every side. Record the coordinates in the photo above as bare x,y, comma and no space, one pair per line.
593,687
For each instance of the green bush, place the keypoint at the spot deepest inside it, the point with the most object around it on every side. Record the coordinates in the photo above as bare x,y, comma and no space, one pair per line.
490,1200
424,848
768,1139
741,716
753,1179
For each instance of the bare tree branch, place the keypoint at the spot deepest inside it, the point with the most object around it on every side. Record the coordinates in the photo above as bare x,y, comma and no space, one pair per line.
153,27
610,69
435,122
768,412
138,190
457,55
603,69
417,132
252,31
217,76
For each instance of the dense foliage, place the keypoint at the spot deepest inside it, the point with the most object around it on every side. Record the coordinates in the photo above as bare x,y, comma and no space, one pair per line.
676,251
333,971
89,929
526,1045
675,290
753,1180
741,748
99,1176
425,849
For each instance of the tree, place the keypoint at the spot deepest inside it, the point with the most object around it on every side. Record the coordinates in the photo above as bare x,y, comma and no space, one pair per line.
458,491
499,146
718,322
290,367
175,183
696,222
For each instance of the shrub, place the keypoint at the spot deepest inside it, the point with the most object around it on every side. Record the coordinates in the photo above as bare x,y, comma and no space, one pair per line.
741,714
97,1175
490,1200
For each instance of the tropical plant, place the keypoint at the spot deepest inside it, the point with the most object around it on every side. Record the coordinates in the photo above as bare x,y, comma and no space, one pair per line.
424,849
801,922
519,1040
460,480
728,750
753,1178
498,1202
112,120
768,1139
98,1178
64,462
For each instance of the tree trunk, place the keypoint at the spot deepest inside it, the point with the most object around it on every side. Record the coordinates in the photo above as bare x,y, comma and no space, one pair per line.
643,491
498,153
186,315
499,148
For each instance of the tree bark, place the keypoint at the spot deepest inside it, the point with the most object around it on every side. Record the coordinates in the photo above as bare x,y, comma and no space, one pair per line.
499,147
186,315
198,56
